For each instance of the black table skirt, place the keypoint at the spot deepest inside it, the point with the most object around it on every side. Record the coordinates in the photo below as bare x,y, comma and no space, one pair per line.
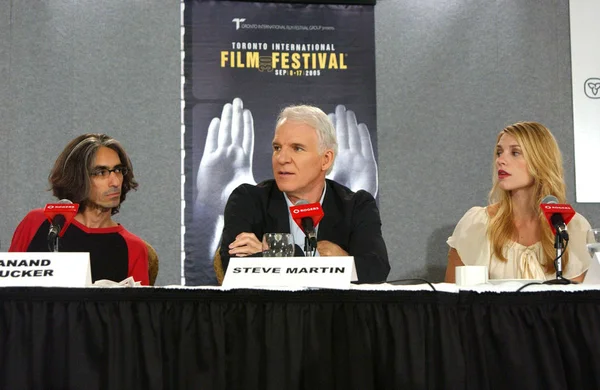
320,339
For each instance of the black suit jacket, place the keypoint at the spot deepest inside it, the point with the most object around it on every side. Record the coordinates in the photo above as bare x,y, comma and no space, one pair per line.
351,221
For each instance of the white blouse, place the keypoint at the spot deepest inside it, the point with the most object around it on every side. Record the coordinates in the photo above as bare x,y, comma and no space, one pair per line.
523,262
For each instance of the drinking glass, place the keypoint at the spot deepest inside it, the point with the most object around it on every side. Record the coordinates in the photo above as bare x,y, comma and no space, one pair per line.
593,241
278,245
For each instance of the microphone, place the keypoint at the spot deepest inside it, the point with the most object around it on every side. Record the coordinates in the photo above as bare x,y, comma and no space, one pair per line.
307,216
60,215
558,215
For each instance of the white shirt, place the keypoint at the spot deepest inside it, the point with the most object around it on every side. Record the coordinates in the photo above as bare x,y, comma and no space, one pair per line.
294,228
523,262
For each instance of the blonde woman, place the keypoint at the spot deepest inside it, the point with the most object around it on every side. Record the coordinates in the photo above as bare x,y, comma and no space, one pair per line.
511,235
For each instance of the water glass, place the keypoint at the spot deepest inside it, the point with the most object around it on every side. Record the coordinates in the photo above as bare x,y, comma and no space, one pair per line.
278,245
593,241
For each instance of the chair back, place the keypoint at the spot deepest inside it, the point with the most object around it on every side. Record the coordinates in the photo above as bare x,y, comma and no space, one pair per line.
218,266
152,264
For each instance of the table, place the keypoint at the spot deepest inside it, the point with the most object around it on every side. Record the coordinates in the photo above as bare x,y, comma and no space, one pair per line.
161,338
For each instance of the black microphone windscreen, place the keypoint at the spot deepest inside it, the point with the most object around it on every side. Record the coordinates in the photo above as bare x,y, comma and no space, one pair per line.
59,219
307,224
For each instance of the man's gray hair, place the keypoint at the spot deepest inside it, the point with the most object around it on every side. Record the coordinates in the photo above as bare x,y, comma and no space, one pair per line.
315,118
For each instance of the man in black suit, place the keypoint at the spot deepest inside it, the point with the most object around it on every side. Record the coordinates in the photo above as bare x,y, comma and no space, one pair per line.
304,150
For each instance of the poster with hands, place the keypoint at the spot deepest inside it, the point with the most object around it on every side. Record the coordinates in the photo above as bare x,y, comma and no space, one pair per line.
227,159
231,107
355,165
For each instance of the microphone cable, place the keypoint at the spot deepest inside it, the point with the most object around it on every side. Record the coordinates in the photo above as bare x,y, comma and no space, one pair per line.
527,284
560,280
400,282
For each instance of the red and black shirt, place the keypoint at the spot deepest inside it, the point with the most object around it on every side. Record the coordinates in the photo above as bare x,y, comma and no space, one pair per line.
115,253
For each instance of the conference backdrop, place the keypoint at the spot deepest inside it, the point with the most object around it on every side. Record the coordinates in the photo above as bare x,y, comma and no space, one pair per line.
246,61
585,58
450,76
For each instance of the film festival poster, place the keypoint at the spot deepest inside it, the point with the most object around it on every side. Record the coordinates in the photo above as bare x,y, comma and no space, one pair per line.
246,61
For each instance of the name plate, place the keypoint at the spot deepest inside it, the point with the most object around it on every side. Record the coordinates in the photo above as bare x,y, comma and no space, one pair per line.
45,269
259,272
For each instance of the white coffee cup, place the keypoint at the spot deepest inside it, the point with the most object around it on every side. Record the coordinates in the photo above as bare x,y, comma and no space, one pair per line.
470,275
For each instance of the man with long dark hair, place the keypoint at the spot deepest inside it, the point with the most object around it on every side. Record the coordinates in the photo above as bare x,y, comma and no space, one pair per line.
94,171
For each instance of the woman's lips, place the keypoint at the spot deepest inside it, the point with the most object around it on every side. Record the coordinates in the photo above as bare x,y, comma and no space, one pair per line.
503,174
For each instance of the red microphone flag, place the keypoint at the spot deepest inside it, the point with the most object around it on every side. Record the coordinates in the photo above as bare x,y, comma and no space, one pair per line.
310,210
565,210
67,210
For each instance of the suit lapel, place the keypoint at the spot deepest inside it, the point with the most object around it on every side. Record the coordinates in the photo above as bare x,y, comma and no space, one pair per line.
332,216
279,220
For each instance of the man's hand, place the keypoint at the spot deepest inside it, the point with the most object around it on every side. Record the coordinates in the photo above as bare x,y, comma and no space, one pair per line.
328,248
245,244
355,165
227,159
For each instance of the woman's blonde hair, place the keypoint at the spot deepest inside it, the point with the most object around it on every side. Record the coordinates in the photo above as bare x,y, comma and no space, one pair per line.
544,163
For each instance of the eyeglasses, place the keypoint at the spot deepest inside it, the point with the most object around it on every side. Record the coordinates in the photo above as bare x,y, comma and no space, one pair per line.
105,172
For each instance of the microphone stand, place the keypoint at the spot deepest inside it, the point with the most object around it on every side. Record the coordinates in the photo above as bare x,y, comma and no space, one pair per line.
309,249
53,244
53,239
560,249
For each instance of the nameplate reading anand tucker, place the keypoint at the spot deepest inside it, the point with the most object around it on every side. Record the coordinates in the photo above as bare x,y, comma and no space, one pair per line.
260,272
45,269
